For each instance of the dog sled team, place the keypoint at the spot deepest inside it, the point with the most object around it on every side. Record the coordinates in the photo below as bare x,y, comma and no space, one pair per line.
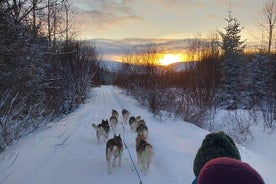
114,146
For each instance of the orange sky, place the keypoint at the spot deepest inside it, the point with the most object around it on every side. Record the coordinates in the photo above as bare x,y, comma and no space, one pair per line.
154,20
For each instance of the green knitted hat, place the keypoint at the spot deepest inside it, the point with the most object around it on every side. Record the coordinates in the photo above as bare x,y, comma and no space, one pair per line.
213,146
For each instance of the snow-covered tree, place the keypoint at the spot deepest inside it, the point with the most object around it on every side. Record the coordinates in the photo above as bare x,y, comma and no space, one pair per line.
37,82
232,66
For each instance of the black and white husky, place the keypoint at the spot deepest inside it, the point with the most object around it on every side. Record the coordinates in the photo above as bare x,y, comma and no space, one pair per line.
125,115
142,129
114,148
102,130
144,153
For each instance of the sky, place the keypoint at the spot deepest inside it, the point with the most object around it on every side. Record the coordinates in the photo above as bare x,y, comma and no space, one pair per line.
169,19
67,151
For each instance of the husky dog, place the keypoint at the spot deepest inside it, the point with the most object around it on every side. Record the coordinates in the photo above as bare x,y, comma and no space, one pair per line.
139,138
138,118
144,153
125,115
142,129
113,122
114,148
134,122
114,113
141,122
102,130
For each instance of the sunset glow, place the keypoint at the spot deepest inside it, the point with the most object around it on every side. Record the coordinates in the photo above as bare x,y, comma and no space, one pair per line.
168,59
114,19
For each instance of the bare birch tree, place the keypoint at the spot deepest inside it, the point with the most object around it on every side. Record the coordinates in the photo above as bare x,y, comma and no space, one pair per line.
267,20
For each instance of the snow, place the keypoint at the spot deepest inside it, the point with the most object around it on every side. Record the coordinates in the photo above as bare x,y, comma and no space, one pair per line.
68,152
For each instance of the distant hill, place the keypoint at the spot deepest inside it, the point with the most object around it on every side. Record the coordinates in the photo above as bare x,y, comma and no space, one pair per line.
110,65
179,66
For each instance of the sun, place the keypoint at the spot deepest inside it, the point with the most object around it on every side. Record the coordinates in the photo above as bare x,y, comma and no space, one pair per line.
170,58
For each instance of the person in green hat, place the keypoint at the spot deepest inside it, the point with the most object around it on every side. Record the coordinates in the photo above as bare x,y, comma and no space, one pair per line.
214,145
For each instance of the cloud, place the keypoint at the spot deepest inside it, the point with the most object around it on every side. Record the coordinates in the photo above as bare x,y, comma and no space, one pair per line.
105,14
118,47
227,3
106,19
212,16
112,8
173,5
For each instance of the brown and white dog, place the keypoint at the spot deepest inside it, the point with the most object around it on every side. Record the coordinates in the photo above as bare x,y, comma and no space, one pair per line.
113,122
114,113
134,122
142,129
144,152
114,148
102,130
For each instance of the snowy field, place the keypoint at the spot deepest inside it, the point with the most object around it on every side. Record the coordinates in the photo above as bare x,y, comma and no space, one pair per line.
67,151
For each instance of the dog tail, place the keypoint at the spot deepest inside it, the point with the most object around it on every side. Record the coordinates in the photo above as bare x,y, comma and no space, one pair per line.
149,149
107,152
95,126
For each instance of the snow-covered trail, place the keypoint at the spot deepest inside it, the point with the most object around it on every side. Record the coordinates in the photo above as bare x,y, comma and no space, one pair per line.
67,152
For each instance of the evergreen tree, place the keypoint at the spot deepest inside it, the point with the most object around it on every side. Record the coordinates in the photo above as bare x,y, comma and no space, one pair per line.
231,39
232,67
